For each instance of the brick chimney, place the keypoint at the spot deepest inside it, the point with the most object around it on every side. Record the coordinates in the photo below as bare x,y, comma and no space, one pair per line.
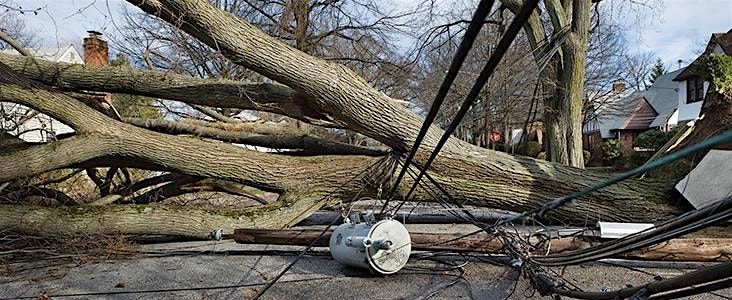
619,86
96,50
96,53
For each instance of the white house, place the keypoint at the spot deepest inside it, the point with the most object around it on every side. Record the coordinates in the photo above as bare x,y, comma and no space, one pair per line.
674,98
691,87
609,110
26,123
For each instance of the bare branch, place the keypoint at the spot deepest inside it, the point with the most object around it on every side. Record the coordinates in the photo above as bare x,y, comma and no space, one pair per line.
280,138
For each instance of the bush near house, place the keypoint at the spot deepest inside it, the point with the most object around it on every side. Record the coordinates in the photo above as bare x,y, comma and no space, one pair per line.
654,138
719,67
611,151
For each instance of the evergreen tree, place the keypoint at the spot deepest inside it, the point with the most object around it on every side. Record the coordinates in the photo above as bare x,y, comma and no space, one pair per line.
657,71
130,106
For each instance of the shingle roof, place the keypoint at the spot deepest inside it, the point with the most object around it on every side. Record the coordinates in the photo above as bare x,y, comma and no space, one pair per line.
616,108
55,54
723,39
643,114
663,96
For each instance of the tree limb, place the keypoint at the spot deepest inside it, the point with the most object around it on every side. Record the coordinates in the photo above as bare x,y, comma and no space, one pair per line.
279,139
57,195
6,38
214,114
268,97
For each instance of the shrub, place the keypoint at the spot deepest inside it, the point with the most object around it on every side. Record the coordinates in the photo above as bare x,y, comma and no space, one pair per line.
719,67
654,138
636,159
531,149
611,150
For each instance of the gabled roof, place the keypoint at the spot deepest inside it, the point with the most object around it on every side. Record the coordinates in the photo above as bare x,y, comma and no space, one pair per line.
721,39
663,96
641,117
66,54
614,111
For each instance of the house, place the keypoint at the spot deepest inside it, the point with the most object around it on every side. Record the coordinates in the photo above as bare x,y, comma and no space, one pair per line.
663,96
608,114
32,126
674,98
66,54
624,115
692,87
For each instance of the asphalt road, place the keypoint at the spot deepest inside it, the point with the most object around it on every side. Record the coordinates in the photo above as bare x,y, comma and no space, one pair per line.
226,270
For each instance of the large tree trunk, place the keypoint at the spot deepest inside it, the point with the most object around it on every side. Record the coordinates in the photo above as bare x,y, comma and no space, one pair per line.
563,78
321,93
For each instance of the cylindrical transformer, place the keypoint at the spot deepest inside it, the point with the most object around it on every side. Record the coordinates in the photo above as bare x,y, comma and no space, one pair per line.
383,247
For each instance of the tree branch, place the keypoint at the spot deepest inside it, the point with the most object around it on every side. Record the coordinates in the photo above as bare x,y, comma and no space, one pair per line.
268,97
282,138
6,38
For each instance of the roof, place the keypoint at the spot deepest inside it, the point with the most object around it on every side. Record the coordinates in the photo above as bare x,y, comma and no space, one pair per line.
709,180
721,39
616,107
67,54
663,96
641,117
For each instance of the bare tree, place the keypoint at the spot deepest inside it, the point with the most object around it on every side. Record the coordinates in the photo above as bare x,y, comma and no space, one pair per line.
638,70
309,89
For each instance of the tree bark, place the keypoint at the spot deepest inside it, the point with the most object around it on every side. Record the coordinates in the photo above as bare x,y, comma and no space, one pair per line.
283,138
469,173
337,96
269,97
473,179
564,75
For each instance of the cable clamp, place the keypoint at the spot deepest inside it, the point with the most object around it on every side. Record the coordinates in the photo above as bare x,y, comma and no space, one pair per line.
217,234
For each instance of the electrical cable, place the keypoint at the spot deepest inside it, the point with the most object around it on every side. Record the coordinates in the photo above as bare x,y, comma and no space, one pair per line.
261,292
707,288
490,66
471,34
713,273
557,203
689,222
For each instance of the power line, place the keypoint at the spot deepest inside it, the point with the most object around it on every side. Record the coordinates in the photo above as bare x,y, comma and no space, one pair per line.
310,246
471,34
490,66
725,137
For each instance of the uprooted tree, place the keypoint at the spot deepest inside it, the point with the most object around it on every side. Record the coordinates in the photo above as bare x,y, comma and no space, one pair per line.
317,172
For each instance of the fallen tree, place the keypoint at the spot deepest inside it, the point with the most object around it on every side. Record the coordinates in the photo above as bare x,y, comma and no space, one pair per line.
315,91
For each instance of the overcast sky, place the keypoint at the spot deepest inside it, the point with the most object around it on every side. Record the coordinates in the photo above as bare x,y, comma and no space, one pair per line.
676,30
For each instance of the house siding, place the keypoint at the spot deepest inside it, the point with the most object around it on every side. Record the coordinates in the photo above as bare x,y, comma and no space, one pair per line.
41,128
688,111
641,117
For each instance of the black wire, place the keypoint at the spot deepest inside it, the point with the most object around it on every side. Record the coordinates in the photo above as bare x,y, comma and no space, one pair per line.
485,74
559,202
219,287
304,251
471,34
310,246
707,288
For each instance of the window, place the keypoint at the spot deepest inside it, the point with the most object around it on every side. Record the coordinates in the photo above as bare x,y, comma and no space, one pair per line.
694,90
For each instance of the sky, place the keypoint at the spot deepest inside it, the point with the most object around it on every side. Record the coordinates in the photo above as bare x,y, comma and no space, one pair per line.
675,29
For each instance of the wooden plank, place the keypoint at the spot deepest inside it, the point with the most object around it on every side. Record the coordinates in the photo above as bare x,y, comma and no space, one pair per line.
683,249
457,217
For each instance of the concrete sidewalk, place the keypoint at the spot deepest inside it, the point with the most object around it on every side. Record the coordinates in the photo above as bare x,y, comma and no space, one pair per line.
226,270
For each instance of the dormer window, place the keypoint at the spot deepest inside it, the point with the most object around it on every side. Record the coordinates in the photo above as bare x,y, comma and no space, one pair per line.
694,90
